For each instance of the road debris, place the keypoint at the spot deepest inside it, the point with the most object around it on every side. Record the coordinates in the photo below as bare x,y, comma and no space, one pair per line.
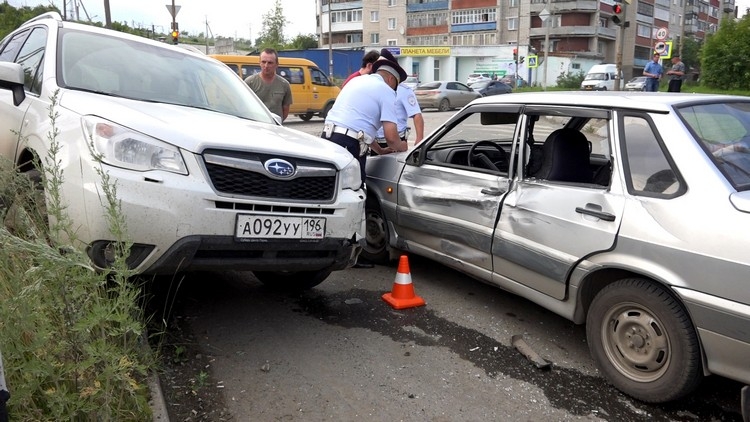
520,344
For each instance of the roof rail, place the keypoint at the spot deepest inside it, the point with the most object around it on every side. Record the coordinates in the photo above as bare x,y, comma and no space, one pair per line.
53,15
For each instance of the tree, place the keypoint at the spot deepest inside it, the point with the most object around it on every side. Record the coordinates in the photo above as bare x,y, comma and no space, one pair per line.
725,56
691,52
11,17
303,42
272,34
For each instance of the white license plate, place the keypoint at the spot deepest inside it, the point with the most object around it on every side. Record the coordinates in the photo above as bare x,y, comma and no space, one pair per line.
272,227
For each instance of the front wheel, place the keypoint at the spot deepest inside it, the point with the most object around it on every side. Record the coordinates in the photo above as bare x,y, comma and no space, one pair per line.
375,248
305,117
292,281
444,105
643,341
324,113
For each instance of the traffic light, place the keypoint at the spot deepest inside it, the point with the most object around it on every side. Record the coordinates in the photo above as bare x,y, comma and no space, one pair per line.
617,10
515,55
175,32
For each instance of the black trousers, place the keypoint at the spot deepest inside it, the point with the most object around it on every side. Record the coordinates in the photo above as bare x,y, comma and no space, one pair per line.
351,145
675,85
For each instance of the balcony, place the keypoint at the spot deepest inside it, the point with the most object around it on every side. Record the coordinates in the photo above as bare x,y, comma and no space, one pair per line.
562,6
574,31
427,6
473,27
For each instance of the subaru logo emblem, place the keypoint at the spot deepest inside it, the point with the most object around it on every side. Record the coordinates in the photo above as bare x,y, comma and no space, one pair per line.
279,168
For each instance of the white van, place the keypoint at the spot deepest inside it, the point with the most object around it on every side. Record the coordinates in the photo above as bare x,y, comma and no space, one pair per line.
601,77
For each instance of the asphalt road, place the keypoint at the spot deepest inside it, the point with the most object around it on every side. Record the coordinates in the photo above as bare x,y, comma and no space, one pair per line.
339,352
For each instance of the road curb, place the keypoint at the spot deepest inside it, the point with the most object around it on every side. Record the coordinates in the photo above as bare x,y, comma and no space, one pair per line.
157,402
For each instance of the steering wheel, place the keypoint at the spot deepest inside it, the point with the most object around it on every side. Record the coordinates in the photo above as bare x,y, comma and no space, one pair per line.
481,159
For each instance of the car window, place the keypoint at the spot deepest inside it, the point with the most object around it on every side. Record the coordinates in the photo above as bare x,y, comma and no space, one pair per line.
648,170
723,131
318,77
428,86
494,129
30,57
11,48
582,154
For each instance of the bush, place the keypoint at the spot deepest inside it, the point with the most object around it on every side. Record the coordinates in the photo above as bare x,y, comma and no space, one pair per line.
71,336
570,80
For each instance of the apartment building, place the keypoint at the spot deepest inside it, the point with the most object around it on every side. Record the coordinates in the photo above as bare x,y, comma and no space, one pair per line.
449,39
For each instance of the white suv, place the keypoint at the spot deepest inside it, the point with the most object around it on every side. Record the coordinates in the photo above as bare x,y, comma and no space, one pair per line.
206,176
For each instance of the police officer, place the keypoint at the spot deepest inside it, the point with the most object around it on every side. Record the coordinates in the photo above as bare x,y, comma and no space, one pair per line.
406,107
367,103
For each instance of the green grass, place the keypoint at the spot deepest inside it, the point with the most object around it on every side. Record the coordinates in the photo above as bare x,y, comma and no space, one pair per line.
72,337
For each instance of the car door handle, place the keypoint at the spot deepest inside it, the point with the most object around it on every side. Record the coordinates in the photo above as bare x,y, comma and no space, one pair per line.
493,191
598,214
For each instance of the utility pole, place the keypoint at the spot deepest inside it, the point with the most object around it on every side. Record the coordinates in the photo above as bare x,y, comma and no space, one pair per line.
107,15
621,46
330,40
547,20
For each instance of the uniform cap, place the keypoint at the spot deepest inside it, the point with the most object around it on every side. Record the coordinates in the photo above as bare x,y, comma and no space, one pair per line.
389,63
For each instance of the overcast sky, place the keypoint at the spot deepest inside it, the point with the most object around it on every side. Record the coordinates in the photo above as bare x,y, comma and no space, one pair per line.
228,18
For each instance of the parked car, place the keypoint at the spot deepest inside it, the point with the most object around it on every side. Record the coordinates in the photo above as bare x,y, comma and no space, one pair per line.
205,176
626,214
477,77
411,81
486,88
444,95
636,84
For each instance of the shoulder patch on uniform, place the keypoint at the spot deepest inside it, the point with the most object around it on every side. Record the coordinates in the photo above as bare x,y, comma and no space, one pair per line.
412,100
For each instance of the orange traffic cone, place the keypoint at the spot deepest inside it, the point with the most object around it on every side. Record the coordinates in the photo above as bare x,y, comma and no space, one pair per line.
402,295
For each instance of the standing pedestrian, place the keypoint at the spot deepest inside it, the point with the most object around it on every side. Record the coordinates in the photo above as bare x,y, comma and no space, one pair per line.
653,71
406,107
367,103
367,61
676,74
272,89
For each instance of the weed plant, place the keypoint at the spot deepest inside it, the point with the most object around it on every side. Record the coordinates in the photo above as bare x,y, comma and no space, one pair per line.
72,336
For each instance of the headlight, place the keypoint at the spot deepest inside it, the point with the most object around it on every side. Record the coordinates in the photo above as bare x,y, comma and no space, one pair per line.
351,178
122,147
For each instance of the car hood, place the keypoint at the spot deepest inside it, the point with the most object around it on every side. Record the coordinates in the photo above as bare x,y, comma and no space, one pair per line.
195,130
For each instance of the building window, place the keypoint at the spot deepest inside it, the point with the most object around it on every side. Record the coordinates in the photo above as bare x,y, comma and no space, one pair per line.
375,38
513,3
353,38
512,24
391,23
392,43
436,71
644,31
391,3
374,16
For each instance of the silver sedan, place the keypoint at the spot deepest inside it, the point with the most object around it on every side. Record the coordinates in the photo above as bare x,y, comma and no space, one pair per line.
625,213
444,95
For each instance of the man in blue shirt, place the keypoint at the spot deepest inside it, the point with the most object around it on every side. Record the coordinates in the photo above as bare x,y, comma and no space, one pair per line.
653,71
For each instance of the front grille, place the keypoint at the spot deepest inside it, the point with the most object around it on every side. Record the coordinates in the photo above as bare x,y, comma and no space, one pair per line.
243,174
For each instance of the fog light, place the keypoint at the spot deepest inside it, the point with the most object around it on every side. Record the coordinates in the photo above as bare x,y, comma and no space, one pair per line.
102,254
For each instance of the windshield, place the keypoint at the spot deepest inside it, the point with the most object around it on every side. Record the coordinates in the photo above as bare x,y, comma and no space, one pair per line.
723,130
596,77
148,72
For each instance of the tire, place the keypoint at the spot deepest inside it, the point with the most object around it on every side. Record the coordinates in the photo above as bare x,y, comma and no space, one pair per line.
292,281
305,117
444,105
27,212
643,341
375,248
324,113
